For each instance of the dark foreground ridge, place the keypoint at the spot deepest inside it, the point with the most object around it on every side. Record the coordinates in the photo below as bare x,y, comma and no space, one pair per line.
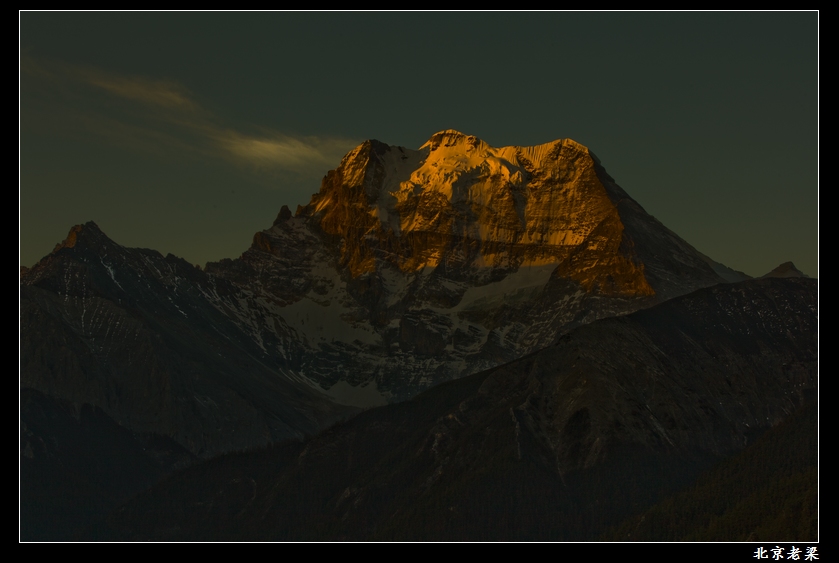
563,444
767,492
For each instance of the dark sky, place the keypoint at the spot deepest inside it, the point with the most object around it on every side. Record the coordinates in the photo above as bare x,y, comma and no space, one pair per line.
186,132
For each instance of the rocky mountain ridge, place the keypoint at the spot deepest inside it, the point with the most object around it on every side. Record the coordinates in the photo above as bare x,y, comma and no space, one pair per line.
150,340
407,269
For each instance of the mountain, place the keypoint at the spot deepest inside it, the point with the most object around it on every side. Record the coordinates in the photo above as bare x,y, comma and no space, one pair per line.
409,268
413,267
786,270
559,445
156,344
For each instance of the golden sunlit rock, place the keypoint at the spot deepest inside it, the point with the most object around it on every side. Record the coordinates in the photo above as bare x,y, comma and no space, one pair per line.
461,203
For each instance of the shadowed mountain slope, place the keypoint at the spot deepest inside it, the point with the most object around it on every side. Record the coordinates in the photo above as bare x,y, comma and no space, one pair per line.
152,341
767,492
561,444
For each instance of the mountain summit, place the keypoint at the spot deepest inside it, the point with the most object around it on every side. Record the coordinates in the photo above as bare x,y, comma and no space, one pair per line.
477,211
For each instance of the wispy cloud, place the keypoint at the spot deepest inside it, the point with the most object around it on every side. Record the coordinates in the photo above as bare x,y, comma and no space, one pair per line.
281,150
153,92
164,113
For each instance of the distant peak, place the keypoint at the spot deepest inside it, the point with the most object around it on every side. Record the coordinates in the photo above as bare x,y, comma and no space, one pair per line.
786,270
88,228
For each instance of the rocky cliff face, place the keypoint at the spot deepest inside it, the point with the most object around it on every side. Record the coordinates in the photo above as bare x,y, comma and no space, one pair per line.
460,203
